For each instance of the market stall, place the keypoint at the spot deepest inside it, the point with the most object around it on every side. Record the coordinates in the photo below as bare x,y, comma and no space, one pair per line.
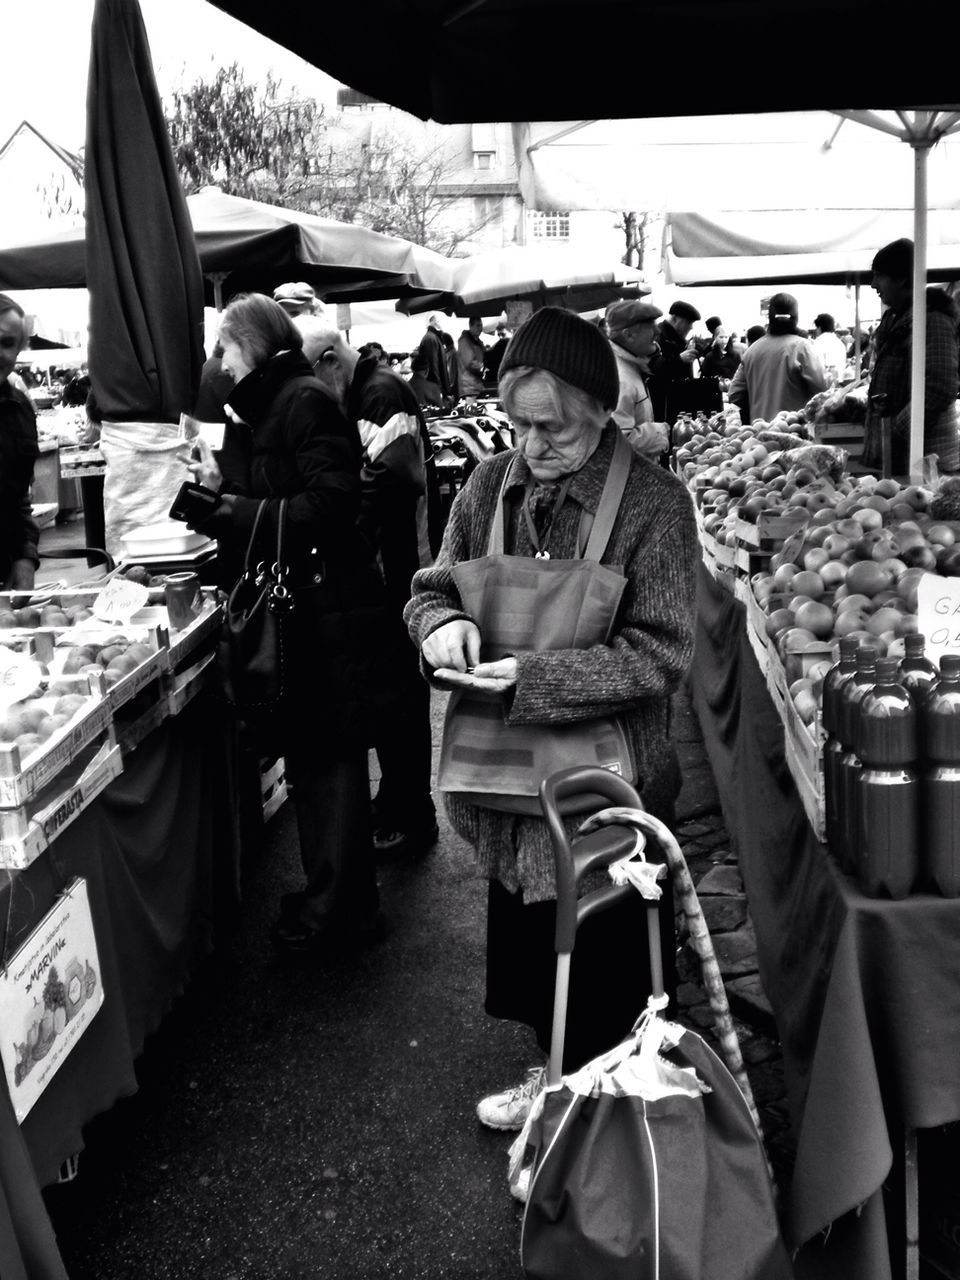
800,549
128,807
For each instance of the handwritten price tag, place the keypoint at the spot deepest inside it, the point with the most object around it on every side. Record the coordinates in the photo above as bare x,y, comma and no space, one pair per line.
938,614
119,600
19,677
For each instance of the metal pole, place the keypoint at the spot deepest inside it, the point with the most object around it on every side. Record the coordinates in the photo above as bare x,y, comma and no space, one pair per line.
920,147
857,339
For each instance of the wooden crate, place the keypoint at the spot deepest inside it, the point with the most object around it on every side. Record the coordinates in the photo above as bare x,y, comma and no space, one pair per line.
273,786
19,784
25,832
841,435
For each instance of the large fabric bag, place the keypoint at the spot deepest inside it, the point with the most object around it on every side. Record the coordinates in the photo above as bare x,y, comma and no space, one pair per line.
254,639
649,1167
146,465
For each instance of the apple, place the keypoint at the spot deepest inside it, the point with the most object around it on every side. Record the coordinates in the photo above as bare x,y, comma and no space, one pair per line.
806,582
941,534
833,573
835,544
817,617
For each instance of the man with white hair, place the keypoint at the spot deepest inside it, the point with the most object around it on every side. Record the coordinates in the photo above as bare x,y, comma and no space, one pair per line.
395,518
19,534
431,348
298,299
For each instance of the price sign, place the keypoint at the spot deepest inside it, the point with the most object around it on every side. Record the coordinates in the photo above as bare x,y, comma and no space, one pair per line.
119,600
938,614
19,677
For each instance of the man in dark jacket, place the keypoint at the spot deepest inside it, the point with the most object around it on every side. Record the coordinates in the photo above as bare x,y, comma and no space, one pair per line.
891,366
432,349
396,507
675,361
18,452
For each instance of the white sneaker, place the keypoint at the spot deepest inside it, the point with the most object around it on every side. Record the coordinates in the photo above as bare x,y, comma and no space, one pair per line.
509,1110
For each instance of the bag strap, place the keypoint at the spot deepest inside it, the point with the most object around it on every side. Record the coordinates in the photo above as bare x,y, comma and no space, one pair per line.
253,536
278,569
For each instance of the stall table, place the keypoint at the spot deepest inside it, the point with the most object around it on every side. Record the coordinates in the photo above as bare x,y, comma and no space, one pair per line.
864,990
158,852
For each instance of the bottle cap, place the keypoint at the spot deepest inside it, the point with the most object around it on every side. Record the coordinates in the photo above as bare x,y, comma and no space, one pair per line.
950,665
887,670
866,658
914,643
849,645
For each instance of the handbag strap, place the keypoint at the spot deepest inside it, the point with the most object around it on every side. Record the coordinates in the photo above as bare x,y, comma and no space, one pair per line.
253,536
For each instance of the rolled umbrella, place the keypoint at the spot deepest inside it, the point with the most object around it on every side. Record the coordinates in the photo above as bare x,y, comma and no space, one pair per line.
142,268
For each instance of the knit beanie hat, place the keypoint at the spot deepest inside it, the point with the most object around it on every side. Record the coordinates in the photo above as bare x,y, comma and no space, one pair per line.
895,260
576,351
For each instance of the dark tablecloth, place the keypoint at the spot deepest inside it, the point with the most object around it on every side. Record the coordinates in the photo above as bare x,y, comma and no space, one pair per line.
158,850
865,991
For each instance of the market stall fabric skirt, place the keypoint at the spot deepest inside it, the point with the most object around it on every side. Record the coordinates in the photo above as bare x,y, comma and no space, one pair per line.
609,972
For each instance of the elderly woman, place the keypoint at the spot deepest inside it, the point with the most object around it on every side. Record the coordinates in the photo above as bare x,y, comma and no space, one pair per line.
560,607
287,439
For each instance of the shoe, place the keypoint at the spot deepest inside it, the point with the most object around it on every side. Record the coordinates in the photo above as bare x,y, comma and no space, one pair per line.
509,1110
295,936
390,842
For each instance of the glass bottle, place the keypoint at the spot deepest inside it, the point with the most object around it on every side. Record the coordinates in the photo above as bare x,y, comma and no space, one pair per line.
940,780
849,768
833,682
888,809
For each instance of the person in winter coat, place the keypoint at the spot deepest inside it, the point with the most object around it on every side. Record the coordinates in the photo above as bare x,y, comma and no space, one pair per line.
720,360
630,326
672,367
781,370
19,450
471,354
433,349
612,645
343,664
493,356
399,492
891,366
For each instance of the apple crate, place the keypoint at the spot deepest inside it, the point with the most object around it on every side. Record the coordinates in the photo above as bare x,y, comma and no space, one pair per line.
25,832
841,435
133,722
152,658
185,646
23,777
183,686
772,528
78,461
273,785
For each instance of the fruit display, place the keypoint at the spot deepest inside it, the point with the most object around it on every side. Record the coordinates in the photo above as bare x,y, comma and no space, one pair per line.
816,554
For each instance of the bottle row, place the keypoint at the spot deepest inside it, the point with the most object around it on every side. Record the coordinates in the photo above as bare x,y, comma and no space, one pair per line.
892,769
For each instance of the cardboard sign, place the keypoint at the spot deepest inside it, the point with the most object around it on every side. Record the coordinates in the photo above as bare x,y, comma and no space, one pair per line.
938,615
344,320
119,600
193,429
50,991
19,677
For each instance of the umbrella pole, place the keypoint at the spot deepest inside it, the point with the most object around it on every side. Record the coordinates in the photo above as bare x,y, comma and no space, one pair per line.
921,147
857,338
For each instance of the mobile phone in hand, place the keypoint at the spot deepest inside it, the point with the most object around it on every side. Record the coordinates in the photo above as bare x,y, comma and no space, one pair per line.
194,503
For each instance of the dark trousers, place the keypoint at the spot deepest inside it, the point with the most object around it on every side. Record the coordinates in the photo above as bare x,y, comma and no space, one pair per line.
331,799
404,751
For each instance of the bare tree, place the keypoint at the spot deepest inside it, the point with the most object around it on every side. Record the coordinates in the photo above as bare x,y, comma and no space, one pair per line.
634,233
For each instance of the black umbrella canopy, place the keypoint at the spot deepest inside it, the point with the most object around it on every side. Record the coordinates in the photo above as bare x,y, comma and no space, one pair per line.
458,61
142,269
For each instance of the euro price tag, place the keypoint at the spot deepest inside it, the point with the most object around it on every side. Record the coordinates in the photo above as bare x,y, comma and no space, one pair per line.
119,600
19,677
938,615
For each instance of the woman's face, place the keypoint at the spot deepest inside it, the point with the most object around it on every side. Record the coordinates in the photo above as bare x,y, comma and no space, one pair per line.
234,360
551,447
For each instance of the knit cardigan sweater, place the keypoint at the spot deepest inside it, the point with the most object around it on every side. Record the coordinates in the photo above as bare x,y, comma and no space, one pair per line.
634,675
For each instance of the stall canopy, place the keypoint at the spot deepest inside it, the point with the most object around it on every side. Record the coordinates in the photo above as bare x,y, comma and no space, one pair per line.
557,275
246,245
470,60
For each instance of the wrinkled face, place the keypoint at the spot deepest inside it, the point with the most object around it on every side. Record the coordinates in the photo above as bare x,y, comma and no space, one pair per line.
638,339
11,340
235,360
552,448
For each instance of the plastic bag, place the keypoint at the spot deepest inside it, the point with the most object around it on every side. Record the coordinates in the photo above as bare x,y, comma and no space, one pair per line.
146,465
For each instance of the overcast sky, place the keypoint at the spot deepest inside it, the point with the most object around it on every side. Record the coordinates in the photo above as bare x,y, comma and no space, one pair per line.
45,72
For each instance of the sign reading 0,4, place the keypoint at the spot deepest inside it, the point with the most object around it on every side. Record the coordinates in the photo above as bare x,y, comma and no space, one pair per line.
938,614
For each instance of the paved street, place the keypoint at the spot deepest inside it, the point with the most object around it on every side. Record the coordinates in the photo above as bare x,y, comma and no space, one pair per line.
304,1120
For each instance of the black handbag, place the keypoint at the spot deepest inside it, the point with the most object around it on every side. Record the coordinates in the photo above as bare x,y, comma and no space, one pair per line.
254,637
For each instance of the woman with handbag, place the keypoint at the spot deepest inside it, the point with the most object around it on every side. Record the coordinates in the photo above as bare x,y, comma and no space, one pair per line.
304,587
560,613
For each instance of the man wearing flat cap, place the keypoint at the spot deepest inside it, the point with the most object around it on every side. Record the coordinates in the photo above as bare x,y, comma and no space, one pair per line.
675,361
298,299
630,326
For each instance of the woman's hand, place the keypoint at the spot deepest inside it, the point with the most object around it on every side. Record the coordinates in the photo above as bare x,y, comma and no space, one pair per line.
204,466
487,677
455,646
